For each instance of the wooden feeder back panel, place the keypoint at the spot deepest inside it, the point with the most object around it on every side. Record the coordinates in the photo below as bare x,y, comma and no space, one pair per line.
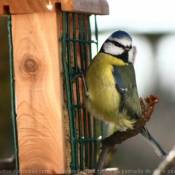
36,6
38,87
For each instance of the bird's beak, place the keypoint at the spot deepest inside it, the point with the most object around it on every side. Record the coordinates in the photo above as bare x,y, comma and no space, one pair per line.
127,48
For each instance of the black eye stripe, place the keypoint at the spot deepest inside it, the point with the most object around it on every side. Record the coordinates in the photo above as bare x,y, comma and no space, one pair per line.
115,43
118,44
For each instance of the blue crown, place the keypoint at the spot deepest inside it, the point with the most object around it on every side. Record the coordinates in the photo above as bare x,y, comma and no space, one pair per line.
121,34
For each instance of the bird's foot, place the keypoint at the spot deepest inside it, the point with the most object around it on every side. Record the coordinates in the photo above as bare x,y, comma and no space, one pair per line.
79,73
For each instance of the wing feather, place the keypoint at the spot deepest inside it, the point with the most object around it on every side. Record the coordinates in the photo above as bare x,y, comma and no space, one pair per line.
126,85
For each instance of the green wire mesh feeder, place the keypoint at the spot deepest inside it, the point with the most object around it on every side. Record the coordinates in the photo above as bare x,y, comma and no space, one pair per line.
48,41
76,42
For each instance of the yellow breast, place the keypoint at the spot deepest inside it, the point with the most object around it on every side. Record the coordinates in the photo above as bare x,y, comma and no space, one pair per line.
104,100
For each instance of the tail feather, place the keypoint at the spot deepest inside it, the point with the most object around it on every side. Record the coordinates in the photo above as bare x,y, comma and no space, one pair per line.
153,142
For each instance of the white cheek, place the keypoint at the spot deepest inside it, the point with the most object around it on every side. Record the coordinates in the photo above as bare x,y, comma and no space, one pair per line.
112,49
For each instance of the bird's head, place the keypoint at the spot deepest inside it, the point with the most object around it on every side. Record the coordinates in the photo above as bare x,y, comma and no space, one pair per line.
119,44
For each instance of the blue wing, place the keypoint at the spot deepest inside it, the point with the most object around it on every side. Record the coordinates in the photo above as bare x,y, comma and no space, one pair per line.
126,85
118,82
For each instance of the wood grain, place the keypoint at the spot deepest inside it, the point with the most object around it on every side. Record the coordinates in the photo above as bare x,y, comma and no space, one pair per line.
38,88
35,6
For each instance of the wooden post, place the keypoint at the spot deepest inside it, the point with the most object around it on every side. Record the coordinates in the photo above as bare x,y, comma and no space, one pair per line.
38,92
38,81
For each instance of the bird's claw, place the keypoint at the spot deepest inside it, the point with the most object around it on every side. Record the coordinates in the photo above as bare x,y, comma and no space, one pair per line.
79,73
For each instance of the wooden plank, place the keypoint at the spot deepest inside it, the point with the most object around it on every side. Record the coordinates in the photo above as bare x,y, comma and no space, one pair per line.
35,6
38,88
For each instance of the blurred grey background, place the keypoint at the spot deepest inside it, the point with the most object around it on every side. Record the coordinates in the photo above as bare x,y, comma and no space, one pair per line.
151,24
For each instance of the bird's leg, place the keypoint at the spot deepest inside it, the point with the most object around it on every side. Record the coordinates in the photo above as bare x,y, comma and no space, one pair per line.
84,82
82,75
78,73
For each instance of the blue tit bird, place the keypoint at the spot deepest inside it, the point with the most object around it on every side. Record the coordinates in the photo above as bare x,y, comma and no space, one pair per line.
110,87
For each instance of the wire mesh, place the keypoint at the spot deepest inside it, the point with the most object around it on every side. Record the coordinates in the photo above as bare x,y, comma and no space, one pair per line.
12,87
85,130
